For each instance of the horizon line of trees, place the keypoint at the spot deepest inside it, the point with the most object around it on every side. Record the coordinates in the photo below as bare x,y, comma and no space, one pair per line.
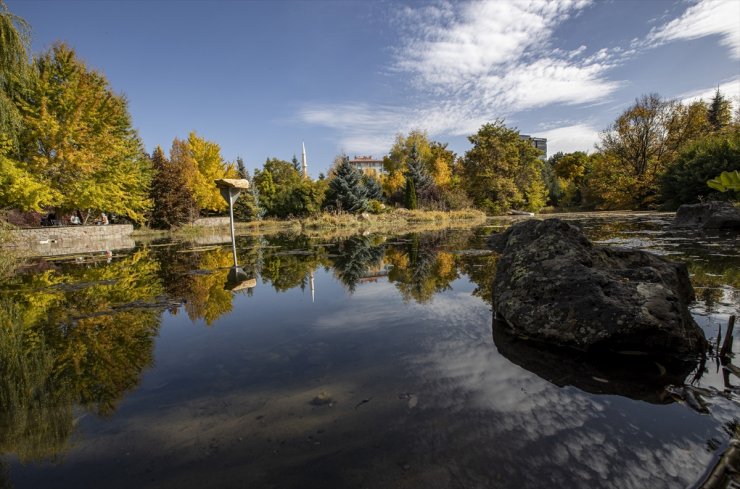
67,144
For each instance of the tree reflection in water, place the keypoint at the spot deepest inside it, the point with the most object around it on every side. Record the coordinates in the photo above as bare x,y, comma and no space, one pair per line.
72,336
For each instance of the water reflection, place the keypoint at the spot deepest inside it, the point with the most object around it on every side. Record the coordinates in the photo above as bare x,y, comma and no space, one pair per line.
72,336
402,322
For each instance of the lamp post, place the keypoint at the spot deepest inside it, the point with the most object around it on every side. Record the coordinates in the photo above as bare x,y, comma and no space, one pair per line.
230,189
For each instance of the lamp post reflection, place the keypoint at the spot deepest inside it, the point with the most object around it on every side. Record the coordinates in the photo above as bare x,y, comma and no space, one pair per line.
230,188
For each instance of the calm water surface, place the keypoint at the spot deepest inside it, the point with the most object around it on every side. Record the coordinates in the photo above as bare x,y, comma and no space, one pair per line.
367,361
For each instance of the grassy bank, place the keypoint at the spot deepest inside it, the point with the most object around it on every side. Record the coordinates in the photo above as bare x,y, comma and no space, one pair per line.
395,221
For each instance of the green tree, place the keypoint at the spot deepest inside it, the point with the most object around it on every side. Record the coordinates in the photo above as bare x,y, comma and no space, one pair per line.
346,191
284,192
15,40
720,112
685,180
246,207
416,171
501,171
174,205
374,190
77,138
409,196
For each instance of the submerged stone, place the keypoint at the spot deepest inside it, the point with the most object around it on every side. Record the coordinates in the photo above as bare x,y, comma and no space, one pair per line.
553,285
708,215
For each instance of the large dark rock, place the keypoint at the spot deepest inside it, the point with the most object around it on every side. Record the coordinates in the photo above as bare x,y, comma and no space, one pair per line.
708,215
638,377
553,285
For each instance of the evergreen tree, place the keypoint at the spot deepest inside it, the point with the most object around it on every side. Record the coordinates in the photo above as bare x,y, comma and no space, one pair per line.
410,194
174,205
346,191
246,206
720,113
416,171
241,170
372,186
296,164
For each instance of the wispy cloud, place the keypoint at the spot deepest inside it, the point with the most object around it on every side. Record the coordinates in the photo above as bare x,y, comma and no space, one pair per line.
704,18
472,63
577,137
729,89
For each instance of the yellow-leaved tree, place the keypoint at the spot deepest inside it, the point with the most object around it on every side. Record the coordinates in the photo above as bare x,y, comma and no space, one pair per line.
211,166
77,140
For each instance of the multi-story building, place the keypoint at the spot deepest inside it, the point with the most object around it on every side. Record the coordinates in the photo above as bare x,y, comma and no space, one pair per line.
539,143
368,165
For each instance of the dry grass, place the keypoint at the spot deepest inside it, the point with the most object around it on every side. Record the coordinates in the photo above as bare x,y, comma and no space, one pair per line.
395,221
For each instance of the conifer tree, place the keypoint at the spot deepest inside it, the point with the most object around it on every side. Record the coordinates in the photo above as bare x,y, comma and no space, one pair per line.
246,206
372,186
174,205
410,194
346,190
416,170
719,114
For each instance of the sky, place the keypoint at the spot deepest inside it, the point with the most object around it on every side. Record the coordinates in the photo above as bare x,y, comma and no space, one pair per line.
261,78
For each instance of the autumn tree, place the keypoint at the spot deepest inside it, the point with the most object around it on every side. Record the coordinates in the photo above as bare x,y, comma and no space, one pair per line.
174,205
501,171
78,140
645,138
211,166
570,170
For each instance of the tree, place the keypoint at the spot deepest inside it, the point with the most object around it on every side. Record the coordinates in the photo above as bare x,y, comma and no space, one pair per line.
372,186
720,112
77,138
14,43
246,207
283,192
645,138
409,197
570,170
174,205
211,166
416,171
346,191
501,171
685,179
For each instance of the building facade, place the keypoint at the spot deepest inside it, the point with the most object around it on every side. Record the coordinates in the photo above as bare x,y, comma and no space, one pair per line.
539,143
368,165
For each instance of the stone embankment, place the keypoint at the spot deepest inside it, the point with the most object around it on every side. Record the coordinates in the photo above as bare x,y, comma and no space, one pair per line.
68,240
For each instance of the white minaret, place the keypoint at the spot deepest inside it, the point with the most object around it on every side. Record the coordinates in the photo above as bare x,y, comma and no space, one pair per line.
304,163
312,286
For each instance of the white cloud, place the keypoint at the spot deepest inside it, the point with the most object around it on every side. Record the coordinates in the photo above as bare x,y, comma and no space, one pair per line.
578,137
730,89
705,18
472,63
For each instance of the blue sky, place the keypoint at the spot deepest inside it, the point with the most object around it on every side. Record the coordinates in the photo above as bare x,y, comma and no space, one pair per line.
261,77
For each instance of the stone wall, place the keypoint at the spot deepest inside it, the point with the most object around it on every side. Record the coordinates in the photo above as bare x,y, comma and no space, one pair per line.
66,240
210,222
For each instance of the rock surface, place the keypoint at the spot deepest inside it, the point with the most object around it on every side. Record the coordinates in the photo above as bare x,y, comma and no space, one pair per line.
553,285
708,215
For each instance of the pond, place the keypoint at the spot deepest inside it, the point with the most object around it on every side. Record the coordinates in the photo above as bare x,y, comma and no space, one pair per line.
361,361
